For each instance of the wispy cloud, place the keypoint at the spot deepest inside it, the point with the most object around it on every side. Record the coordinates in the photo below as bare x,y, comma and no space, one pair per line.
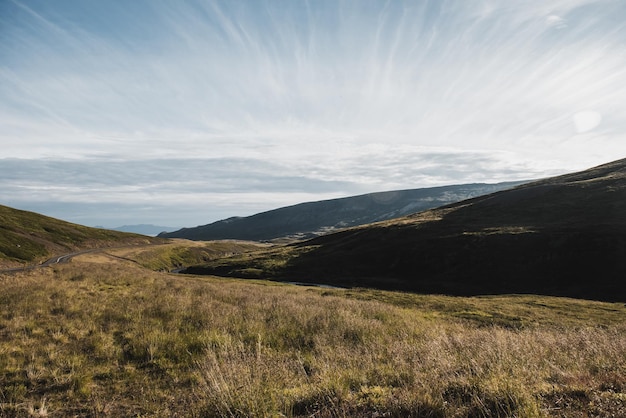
360,94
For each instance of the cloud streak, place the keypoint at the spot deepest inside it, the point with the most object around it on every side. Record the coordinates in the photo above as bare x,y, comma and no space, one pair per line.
354,94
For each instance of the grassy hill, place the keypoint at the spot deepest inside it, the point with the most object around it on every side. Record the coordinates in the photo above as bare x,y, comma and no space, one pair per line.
311,219
563,236
27,237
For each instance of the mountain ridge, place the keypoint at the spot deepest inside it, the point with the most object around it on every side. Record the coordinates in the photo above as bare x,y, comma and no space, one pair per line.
309,219
143,229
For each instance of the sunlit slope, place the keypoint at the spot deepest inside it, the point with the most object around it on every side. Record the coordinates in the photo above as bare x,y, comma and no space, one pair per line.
307,220
560,236
27,237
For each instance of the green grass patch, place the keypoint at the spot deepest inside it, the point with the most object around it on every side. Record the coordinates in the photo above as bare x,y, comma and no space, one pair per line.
27,237
179,255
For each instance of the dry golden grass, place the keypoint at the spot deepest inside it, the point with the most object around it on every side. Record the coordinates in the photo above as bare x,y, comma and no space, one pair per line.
114,339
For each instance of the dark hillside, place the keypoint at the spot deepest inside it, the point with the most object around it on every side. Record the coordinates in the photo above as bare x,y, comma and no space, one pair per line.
563,236
311,219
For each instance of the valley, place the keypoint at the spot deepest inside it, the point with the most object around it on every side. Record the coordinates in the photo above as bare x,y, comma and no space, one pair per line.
509,304
313,209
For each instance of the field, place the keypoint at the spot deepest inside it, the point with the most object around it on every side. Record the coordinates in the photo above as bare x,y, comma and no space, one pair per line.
106,336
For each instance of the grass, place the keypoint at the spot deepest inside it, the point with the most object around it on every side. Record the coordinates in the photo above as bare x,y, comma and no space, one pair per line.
112,338
28,237
182,253
259,263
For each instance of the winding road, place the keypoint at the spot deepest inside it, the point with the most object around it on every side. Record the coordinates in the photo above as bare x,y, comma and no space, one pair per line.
58,259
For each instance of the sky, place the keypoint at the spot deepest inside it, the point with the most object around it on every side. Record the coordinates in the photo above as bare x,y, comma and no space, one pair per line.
181,113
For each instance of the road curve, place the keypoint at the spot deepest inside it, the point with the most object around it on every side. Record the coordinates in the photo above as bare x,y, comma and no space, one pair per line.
59,259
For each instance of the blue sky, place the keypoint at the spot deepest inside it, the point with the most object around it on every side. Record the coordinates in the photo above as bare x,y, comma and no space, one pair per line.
181,113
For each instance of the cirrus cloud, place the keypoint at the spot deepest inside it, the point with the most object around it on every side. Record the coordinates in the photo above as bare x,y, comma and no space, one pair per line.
284,101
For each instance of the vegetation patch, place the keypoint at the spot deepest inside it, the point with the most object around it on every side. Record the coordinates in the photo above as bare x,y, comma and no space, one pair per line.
27,237
178,255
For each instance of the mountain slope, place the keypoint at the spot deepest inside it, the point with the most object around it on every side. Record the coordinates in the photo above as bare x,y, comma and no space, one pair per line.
563,236
27,237
310,219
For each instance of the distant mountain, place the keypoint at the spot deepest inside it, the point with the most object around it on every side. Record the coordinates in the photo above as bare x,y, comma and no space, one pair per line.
563,236
27,237
145,229
312,219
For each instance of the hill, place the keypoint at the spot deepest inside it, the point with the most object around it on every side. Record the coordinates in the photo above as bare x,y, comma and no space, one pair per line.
27,237
563,236
307,220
